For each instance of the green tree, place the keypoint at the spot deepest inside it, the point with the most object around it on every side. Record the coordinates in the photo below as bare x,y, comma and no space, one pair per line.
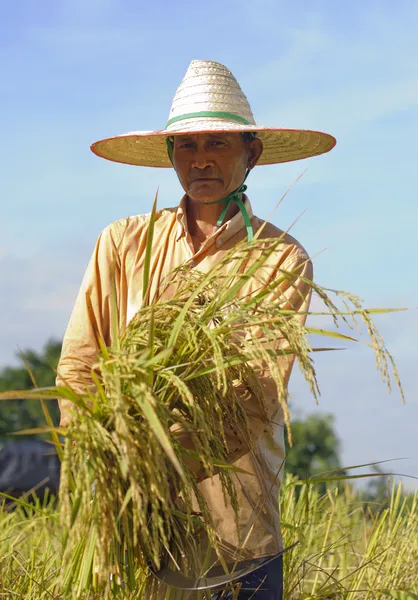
316,447
27,414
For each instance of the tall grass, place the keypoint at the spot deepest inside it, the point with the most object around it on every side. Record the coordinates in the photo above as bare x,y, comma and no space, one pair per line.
345,552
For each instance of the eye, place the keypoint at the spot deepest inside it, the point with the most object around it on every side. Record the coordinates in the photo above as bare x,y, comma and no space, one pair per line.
217,143
184,143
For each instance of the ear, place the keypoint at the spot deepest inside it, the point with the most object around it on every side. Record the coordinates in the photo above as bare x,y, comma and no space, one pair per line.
170,148
255,150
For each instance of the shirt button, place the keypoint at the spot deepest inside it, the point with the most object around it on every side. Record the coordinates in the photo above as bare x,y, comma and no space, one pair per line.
219,242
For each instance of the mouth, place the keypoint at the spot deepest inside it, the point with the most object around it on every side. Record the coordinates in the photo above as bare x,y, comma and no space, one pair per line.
204,179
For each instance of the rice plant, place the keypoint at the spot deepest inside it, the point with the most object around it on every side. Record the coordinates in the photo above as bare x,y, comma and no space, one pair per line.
345,552
167,410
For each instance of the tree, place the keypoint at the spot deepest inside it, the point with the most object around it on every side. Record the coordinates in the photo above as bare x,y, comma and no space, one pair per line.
16,415
316,447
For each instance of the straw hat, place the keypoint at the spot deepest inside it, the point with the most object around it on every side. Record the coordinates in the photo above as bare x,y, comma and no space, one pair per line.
210,99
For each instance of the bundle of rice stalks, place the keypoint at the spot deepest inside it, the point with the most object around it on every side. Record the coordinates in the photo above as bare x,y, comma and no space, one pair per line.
167,411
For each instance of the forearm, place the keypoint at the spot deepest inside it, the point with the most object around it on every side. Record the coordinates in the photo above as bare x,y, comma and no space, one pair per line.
75,374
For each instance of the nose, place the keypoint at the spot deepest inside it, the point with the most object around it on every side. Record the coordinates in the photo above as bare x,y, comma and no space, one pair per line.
201,159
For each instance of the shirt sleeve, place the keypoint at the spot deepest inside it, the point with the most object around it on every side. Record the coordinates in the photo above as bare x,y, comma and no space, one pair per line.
90,320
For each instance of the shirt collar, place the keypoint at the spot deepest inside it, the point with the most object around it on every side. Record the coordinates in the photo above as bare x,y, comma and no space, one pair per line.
224,232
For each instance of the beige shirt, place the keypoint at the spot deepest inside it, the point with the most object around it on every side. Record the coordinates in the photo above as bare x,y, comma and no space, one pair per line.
259,522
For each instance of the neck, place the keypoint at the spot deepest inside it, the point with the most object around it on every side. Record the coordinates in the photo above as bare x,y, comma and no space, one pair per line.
202,218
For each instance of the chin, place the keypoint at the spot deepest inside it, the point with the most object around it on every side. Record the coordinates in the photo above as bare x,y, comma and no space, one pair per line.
203,193
206,197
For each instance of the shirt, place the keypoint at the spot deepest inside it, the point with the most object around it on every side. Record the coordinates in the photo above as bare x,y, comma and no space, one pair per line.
258,518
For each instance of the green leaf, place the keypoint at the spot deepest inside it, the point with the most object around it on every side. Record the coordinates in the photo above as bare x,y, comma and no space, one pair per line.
233,290
144,402
53,431
313,480
399,595
76,508
378,311
289,526
221,464
148,252
127,499
114,321
178,323
31,507
87,564
369,464
104,349
330,333
37,430
27,394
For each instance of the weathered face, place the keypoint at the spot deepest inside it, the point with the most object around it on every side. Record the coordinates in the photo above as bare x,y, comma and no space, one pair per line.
212,165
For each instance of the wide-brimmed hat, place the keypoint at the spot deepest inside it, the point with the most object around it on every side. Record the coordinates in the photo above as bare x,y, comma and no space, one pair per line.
209,99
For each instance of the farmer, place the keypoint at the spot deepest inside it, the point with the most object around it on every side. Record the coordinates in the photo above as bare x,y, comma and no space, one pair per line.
212,142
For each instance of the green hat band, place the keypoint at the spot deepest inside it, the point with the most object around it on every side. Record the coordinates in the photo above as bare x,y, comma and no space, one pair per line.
207,113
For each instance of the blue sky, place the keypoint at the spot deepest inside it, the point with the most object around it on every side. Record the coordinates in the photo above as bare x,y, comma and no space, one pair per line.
76,71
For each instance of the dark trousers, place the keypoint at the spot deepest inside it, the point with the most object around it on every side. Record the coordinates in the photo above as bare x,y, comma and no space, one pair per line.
264,584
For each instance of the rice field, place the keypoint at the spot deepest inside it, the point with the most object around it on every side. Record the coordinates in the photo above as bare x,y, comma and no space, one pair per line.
345,551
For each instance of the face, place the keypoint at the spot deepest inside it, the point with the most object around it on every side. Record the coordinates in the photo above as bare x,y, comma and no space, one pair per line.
212,165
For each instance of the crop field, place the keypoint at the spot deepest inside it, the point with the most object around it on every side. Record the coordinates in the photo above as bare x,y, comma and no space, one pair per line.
346,550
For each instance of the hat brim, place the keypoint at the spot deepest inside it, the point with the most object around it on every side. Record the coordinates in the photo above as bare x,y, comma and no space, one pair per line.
149,149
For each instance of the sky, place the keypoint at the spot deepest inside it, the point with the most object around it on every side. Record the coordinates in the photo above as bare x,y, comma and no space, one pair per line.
73,72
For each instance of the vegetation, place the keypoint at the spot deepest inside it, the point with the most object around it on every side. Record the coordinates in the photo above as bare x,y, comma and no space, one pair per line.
315,448
344,551
21,414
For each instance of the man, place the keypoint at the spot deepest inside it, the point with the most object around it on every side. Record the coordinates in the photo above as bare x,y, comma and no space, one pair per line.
212,142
